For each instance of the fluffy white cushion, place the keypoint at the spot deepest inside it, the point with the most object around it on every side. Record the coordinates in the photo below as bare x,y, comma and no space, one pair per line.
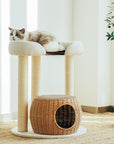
35,49
26,48
73,48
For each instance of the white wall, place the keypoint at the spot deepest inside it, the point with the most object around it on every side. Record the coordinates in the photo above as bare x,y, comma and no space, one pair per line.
112,69
77,20
17,20
0,63
54,16
85,25
104,58
93,69
112,73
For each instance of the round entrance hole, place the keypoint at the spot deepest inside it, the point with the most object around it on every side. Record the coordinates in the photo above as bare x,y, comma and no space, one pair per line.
65,116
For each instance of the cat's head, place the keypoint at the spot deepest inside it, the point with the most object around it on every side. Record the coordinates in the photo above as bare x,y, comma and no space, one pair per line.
16,34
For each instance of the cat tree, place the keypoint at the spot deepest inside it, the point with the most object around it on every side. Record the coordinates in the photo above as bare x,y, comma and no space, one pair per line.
23,49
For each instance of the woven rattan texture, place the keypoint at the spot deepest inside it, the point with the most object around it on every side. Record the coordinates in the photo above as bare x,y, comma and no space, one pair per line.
43,115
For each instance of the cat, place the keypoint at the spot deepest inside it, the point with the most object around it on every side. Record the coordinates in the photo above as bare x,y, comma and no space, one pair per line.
47,40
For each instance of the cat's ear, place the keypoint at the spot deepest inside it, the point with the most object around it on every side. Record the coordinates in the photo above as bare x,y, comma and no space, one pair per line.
22,30
9,28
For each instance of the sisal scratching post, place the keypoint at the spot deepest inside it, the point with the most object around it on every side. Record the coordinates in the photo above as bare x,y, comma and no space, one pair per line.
68,75
36,63
75,76
23,93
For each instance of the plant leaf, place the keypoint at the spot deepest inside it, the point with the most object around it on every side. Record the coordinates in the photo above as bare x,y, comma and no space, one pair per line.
112,38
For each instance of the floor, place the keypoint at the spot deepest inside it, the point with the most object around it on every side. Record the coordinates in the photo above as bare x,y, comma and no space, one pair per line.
100,130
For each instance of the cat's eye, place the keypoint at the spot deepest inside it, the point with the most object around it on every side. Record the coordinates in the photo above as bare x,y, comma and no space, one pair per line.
17,34
11,34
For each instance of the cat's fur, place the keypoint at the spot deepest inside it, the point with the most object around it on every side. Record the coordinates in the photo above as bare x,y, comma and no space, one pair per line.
47,40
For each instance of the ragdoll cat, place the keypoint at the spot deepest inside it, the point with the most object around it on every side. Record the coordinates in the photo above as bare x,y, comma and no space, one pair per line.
47,40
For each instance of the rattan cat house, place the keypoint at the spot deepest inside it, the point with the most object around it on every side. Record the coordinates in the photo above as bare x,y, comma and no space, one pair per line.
53,116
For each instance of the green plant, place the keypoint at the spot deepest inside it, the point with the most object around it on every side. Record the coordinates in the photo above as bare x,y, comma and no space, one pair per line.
110,36
110,22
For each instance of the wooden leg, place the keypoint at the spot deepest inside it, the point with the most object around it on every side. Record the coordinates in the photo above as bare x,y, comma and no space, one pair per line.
69,75
36,64
75,74
23,93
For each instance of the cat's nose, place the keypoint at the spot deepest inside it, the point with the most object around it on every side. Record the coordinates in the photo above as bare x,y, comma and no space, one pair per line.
13,38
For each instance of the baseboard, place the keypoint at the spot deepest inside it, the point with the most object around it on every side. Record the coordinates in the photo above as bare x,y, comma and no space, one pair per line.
7,117
91,109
